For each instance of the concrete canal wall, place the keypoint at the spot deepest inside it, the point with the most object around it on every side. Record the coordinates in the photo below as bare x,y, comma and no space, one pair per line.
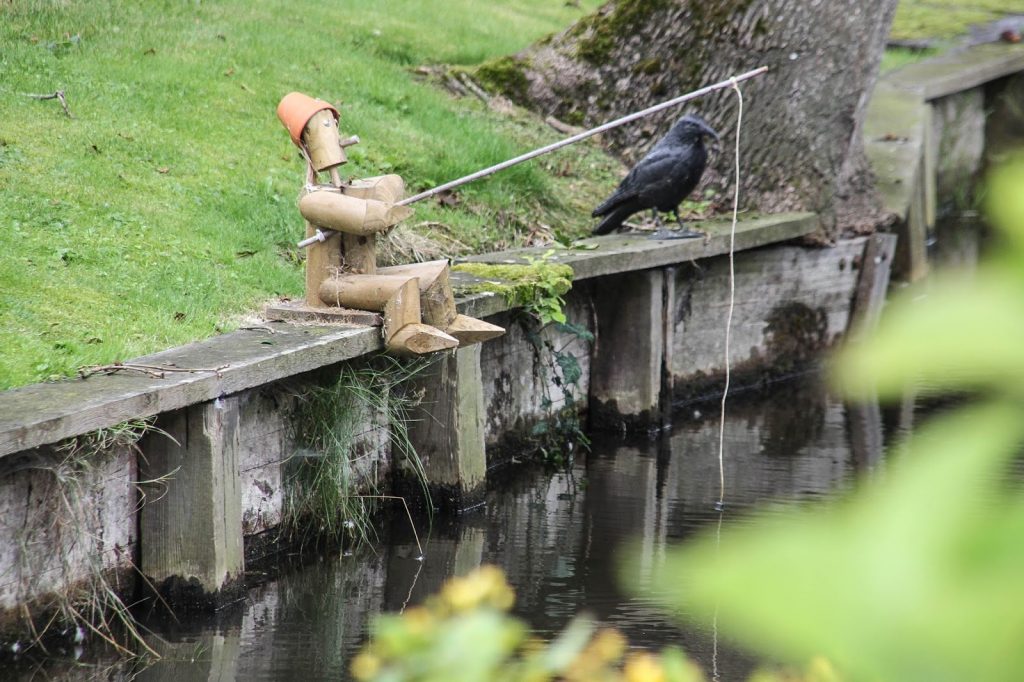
202,491
931,129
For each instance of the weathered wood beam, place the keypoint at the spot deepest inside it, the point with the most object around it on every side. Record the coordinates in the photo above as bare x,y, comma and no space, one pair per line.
45,413
190,520
626,369
322,260
447,429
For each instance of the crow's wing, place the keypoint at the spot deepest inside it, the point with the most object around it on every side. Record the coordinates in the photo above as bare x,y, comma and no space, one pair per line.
651,177
665,184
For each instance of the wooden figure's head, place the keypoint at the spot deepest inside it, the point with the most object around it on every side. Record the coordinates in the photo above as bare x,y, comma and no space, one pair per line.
313,126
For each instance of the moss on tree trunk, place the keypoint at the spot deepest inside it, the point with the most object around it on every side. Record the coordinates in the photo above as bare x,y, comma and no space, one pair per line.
801,144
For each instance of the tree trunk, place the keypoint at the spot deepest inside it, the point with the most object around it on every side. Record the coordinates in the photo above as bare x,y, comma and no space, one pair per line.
801,144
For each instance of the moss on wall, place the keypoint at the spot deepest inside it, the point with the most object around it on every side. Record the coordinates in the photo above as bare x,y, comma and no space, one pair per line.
538,287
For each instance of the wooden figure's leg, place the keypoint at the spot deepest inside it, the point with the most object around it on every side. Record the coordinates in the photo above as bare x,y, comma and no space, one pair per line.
322,260
438,303
398,297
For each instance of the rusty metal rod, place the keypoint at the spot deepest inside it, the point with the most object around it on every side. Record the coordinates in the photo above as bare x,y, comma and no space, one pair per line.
566,142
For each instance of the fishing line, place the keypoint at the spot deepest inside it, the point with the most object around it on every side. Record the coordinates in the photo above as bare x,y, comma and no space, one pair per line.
732,300
714,623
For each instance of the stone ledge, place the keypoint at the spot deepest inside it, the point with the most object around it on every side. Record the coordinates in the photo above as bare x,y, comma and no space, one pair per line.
621,253
960,70
46,413
896,130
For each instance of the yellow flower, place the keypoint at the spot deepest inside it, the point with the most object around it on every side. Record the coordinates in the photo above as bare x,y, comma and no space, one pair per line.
643,668
607,645
484,585
418,620
365,666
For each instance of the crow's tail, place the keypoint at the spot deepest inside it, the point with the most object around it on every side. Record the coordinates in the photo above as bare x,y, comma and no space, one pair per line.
613,220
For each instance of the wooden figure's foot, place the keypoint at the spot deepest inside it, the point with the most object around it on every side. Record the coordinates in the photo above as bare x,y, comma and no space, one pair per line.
469,330
420,339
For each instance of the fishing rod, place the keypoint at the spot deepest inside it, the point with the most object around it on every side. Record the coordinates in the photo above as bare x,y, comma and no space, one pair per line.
321,235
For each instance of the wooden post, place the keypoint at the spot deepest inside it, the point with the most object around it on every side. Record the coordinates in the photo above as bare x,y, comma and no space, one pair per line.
221,653
401,309
367,292
867,439
626,372
389,189
438,302
668,330
398,297
910,262
872,285
190,525
359,253
404,334
447,429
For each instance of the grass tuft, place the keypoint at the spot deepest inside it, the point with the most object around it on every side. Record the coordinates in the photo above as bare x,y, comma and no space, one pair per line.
332,483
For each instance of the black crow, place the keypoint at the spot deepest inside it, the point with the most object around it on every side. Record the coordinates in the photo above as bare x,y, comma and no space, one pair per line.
662,179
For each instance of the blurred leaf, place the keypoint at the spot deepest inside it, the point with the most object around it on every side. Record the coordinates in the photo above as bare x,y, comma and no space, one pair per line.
915,579
1005,203
564,649
966,334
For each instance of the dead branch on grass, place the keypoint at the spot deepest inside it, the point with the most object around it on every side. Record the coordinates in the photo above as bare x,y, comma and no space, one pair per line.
57,95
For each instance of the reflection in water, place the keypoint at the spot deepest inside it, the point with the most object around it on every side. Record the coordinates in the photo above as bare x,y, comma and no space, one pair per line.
557,536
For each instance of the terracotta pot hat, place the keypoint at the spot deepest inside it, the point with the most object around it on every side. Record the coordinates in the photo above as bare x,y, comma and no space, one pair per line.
295,109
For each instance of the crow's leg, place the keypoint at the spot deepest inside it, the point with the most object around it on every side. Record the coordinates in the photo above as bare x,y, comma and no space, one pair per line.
682,233
656,217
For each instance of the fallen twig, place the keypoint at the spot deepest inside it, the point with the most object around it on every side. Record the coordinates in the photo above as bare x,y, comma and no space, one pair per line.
156,371
408,514
562,126
57,95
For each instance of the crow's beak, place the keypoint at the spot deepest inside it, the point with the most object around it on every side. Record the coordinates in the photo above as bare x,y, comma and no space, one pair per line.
708,130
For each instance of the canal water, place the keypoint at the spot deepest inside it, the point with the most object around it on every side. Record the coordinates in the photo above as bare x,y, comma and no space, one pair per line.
557,535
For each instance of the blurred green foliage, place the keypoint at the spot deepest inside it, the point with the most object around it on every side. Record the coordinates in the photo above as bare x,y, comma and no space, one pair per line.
465,634
917,576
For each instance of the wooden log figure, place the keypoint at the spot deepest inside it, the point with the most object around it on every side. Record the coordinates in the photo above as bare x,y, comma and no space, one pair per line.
342,222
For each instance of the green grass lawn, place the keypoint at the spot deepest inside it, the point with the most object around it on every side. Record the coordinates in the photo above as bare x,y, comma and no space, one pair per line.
166,208
946,19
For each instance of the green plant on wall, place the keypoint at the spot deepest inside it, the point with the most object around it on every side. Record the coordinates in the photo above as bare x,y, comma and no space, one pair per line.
332,482
560,433
537,287
917,576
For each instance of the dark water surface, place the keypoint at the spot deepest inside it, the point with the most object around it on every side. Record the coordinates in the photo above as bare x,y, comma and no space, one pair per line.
557,536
